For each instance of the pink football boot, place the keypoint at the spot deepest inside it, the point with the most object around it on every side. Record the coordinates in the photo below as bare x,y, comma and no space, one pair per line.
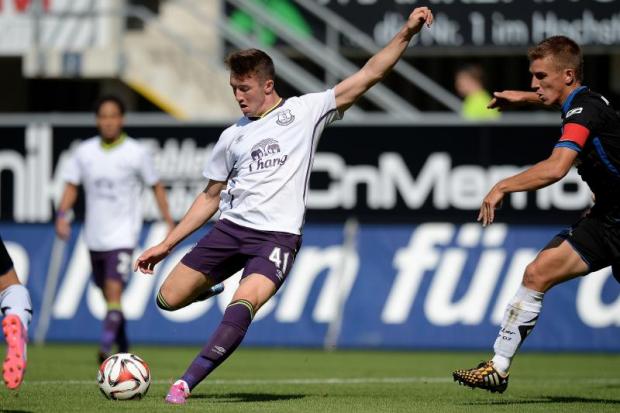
14,365
178,393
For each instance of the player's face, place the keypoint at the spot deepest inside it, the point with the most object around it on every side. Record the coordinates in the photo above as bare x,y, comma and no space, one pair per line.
465,84
548,81
109,121
251,93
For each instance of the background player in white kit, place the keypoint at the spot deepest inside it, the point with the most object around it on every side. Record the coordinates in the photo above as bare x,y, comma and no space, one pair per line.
258,176
112,168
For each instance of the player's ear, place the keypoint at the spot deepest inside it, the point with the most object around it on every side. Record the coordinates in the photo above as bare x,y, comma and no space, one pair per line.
569,77
268,86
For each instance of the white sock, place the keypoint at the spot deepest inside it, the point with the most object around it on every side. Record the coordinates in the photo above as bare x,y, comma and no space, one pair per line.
15,300
519,320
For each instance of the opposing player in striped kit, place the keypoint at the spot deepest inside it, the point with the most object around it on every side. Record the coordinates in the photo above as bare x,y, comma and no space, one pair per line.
590,140
258,178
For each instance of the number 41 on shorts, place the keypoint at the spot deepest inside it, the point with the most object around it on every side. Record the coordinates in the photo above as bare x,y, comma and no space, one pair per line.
276,258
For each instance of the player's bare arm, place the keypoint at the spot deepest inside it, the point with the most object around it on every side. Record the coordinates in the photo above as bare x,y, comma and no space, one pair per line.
538,176
62,224
352,88
507,99
160,197
204,207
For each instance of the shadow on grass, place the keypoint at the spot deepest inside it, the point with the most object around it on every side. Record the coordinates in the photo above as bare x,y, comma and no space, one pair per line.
542,400
247,397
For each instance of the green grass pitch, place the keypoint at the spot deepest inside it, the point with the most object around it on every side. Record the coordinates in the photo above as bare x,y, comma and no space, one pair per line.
61,378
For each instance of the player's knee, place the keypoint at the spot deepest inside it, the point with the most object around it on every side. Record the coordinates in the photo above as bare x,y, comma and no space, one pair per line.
534,278
162,302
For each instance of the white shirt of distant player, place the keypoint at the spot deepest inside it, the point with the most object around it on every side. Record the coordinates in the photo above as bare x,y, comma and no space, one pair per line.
113,179
267,163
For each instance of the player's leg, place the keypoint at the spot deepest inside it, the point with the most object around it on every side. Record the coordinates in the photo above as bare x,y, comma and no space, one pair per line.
556,263
111,272
253,291
185,285
272,256
17,310
114,321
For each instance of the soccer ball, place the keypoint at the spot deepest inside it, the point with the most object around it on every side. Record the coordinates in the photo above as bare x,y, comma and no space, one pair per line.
124,376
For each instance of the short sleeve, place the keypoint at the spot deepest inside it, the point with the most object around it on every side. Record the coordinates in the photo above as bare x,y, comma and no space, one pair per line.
71,171
322,106
148,173
582,113
219,165
574,136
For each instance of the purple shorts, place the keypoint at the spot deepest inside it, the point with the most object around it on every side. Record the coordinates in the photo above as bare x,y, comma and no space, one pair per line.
114,265
229,247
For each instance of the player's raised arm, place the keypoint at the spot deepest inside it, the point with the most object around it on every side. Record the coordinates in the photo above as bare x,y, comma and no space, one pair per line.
204,207
352,88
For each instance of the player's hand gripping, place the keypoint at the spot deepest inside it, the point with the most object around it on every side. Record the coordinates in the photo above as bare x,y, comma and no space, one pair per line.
418,17
507,99
149,258
492,201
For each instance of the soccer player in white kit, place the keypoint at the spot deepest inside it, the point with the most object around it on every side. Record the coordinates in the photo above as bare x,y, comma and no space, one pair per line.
258,178
112,168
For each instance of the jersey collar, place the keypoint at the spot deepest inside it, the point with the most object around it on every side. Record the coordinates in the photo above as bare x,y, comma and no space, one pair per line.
569,99
109,146
268,111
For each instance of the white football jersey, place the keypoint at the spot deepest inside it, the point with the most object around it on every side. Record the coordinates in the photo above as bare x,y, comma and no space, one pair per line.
113,179
267,163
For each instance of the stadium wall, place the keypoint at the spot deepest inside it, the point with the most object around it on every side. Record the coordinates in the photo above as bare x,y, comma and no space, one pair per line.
420,274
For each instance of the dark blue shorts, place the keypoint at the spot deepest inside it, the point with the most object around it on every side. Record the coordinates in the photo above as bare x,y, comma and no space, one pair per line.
114,265
596,238
229,247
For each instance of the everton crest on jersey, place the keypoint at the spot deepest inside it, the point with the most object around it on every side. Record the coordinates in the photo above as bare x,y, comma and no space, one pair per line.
284,117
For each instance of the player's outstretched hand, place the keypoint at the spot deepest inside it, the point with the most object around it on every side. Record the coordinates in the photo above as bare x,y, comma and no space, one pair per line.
418,17
492,201
149,258
507,99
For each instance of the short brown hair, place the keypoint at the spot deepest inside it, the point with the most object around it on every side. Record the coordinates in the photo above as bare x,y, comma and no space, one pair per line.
109,98
474,70
251,61
566,53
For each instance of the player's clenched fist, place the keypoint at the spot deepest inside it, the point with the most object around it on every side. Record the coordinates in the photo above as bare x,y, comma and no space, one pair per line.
418,17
